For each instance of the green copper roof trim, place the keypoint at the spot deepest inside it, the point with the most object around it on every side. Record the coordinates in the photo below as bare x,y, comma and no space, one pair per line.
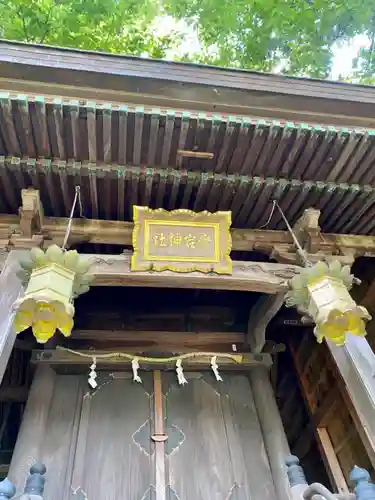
75,105
185,115
164,173
91,105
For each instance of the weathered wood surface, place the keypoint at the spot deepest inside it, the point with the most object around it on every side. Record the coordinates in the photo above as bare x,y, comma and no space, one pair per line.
356,366
29,446
272,429
98,443
10,290
120,233
46,70
156,341
214,447
114,270
159,437
61,357
262,277
116,453
60,436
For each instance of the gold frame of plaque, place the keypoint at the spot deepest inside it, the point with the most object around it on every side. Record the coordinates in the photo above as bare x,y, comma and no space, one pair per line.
182,241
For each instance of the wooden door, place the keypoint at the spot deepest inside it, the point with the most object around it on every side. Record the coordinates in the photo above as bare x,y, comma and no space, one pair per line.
215,448
114,453
213,451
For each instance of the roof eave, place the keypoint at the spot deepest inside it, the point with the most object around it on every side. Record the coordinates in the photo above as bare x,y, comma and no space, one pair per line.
35,69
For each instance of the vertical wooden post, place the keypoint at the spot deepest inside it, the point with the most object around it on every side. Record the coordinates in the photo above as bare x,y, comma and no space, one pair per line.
356,365
159,438
272,429
29,446
10,290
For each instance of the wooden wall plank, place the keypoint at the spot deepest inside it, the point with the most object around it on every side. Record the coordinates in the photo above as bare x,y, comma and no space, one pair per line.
59,434
334,464
29,446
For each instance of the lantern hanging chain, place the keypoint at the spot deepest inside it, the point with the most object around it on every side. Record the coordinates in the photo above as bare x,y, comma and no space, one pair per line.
77,197
300,250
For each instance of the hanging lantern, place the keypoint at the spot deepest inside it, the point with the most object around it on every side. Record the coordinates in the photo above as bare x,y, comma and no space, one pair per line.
321,292
53,279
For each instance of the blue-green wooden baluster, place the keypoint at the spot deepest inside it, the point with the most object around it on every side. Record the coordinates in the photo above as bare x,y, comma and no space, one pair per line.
294,471
364,488
7,489
35,481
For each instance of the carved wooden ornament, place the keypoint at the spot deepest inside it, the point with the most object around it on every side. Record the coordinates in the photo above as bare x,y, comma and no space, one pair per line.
181,241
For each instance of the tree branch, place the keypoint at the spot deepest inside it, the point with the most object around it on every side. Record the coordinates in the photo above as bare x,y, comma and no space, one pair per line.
20,15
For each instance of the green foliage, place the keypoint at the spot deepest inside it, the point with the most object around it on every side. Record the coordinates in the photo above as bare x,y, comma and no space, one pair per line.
107,25
290,36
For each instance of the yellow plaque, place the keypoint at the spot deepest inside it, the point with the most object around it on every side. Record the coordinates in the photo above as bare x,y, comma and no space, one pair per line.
181,240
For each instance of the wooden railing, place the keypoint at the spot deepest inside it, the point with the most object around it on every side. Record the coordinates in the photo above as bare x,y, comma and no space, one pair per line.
364,489
34,486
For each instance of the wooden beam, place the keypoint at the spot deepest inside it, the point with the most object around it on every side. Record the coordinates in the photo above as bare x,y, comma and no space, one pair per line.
334,465
114,270
166,340
65,358
263,277
260,315
278,243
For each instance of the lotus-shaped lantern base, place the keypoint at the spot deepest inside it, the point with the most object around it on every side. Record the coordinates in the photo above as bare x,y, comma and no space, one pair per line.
44,317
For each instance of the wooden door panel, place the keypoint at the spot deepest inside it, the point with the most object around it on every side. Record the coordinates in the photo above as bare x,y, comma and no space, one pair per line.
215,448
251,470
98,443
198,463
114,456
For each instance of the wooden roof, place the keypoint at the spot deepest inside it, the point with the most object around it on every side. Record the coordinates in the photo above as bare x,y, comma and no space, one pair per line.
42,70
123,153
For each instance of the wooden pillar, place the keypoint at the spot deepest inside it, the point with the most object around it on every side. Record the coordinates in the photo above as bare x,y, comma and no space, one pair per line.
356,365
10,290
33,430
272,429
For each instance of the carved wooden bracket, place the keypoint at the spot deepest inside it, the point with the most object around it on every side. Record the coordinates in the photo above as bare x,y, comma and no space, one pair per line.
307,230
31,213
308,233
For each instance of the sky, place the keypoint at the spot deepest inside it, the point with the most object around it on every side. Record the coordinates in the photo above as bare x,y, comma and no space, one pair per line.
343,54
